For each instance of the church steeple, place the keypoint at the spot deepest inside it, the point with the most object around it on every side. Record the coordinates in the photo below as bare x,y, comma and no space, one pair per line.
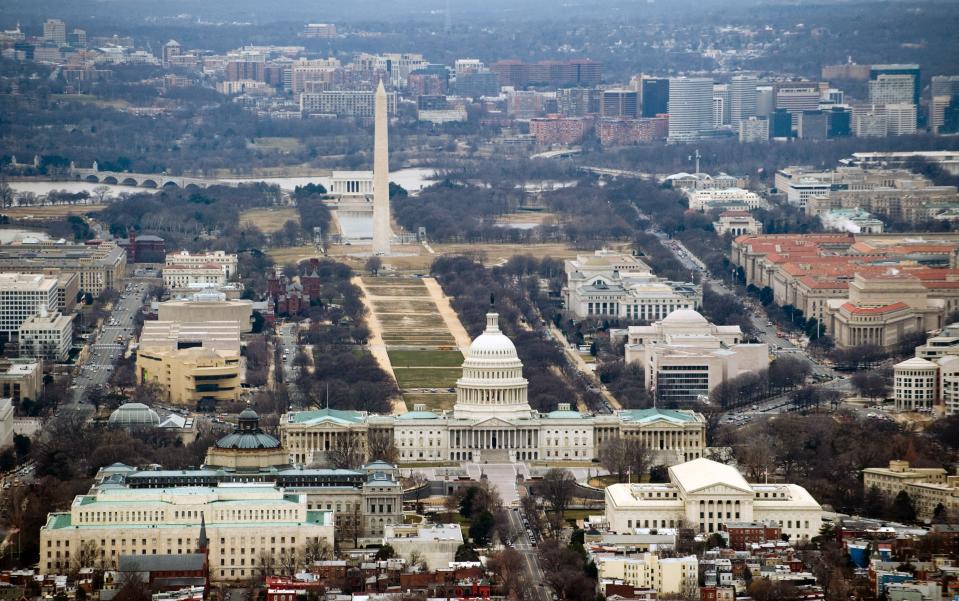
202,542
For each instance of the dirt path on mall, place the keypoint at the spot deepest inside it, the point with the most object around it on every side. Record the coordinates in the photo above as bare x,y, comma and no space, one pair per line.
375,343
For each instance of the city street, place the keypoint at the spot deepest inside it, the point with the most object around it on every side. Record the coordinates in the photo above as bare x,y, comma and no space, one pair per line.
535,588
107,342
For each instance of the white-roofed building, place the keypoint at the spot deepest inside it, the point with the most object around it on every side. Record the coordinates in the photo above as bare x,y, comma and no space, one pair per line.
705,494
436,543
685,356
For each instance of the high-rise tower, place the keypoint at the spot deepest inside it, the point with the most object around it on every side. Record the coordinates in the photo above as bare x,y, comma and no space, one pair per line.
381,175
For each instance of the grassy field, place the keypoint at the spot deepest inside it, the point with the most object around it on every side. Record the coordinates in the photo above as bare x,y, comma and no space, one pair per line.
48,212
426,358
426,377
439,401
269,220
292,254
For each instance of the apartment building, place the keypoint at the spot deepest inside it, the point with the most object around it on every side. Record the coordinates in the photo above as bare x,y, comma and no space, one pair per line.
344,103
665,575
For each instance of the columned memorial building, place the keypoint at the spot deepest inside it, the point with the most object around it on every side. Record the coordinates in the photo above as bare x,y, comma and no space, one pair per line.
492,421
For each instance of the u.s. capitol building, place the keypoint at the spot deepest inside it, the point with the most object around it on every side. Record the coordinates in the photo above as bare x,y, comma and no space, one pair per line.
492,421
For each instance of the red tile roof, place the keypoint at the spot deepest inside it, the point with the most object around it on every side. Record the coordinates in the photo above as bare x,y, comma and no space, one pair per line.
874,310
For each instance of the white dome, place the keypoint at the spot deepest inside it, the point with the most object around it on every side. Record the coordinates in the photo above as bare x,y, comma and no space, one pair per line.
492,344
685,317
133,415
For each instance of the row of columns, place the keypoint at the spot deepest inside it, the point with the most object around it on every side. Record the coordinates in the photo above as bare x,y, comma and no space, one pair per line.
664,440
506,438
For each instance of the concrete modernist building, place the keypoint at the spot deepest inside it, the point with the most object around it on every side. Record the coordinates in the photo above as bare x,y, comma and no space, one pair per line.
707,494
742,99
754,129
382,234
241,523
436,543
492,421
685,357
916,384
23,295
344,103
206,307
46,336
613,284
690,108
196,365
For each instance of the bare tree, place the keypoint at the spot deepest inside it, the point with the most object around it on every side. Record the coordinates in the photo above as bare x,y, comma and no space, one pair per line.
100,194
557,490
416,562
509,566
625,455
382,448
348,452
87,556
6,195
316,549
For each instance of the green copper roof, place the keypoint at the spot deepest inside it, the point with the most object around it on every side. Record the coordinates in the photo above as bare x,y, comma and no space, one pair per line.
648,415
417,415
322,415
564,415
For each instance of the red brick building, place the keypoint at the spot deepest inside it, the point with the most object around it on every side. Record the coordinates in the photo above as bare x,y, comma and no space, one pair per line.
623,132
743,534
559,130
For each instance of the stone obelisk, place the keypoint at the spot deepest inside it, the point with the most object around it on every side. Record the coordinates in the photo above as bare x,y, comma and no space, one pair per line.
381,175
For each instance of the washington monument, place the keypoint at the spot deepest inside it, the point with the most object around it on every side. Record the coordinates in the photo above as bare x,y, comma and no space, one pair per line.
381,175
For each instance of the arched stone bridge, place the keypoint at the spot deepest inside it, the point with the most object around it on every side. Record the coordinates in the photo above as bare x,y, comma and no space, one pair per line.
142,180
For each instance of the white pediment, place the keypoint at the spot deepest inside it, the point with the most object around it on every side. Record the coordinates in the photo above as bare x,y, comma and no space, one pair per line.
492,422
719,490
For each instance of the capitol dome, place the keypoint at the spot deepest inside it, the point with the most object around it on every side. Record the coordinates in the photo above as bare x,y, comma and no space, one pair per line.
685,317
492,381
131,415
492,344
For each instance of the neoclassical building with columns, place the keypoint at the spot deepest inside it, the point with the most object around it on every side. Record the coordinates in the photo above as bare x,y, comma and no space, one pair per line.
492,421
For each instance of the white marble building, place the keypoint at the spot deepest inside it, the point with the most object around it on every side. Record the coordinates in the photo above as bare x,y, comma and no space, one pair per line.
617,285
705,494
493,421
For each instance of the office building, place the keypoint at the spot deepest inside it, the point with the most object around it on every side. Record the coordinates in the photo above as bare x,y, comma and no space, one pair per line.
900,119
891,89
944,95
22,296
655,96
718,103
685,357
477,84
576,72
765,101
578,102
226,261
492,420
611,284
840,121
435,543
869,121
812,125
46,336
209,275
928,488
742,98
781,124
525,104
240,527
20,379
753,129
690,108
204,307
55,32
912,70
706,494
99,265
721,91
620,103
